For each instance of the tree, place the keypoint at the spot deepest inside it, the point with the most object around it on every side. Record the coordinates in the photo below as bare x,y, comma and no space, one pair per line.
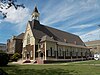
1,51
4,59
6,4
15,57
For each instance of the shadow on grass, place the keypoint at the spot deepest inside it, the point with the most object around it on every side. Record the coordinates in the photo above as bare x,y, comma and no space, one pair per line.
2,72
4,69
41,72
15,70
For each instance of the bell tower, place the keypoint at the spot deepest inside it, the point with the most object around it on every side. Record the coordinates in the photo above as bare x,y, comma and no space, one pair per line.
35,14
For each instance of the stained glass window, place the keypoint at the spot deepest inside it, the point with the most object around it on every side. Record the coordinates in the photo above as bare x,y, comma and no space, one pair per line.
28,39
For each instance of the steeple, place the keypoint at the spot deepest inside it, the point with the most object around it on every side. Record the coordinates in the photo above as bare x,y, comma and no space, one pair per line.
35,14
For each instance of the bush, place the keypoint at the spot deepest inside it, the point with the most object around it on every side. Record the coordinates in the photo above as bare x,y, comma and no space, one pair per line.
15,57
4,59
1,51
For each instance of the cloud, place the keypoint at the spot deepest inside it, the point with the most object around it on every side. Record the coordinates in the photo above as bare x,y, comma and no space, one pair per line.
82,26
64,10
20,27
79,33
60,14
16,16
90,4
0,21
92,35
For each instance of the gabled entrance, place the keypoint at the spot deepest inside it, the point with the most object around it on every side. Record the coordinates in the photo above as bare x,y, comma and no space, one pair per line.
40,57
28,52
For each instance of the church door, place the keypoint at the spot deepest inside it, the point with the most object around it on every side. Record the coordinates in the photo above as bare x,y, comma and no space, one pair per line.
28,55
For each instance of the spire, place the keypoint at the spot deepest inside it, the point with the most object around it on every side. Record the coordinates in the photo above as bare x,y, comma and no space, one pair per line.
35,14
35,9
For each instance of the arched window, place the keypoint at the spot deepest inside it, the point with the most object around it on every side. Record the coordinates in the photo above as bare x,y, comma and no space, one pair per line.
28,39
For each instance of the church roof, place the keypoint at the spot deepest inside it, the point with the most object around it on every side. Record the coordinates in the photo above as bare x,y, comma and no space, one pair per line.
40,30
68,44
20,36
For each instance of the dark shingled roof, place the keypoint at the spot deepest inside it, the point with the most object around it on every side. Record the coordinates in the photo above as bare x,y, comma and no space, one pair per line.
20,36
40,30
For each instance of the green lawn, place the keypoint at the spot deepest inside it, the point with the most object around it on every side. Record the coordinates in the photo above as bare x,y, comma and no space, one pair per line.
90,62
79,68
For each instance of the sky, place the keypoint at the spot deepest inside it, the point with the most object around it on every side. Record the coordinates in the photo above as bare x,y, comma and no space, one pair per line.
79,17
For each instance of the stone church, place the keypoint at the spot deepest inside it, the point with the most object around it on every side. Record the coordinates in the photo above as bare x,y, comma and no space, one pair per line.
42,43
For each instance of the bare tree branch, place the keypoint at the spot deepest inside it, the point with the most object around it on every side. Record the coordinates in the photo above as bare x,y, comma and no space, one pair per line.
8,4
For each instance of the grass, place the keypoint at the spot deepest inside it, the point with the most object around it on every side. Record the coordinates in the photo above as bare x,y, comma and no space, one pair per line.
78,68
90,62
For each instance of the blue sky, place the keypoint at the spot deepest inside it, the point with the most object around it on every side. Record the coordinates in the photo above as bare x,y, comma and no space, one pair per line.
80,17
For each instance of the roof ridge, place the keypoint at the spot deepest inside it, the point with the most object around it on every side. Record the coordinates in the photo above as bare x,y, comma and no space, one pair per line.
59,30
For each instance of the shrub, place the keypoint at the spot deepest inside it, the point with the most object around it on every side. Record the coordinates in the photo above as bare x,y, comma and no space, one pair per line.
1,51
15,57
3,59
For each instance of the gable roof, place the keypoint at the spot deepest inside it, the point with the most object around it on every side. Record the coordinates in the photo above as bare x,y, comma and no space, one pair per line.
40,30
20,36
